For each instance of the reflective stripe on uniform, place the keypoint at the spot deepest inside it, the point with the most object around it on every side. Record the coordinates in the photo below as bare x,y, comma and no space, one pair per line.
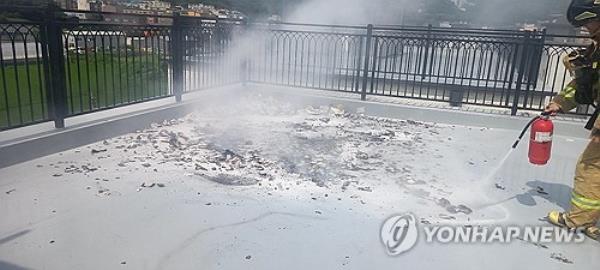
585,203
585,16
568,92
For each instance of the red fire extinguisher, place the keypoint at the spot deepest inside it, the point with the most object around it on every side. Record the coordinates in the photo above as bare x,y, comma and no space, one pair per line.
540,139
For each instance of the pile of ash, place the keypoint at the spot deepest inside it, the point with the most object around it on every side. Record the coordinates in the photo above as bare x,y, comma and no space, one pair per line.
273,144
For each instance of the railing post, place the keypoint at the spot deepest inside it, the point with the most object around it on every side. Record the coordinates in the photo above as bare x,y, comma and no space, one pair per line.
539,52
374,65
536,52
426,53
356,78
56,58
522,69
457,94
363,95
178,55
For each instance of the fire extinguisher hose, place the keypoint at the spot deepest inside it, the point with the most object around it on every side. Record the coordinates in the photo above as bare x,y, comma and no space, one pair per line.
527,127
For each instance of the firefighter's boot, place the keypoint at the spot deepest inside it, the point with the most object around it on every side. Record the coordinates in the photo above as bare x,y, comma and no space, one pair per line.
593,233
557,218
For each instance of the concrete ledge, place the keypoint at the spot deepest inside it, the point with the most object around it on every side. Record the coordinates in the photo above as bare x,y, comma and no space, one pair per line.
38,146
112,123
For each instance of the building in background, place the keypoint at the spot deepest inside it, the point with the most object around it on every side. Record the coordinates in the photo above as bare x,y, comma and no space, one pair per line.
74,4
67,4
203,10
155,5
147,11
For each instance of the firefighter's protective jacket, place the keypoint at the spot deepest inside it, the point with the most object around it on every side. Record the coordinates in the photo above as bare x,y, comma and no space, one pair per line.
566,98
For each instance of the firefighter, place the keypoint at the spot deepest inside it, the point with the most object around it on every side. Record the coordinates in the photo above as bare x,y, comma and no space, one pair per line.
584,66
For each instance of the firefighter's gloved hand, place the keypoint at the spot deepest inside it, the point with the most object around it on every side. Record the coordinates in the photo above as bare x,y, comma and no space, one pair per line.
552,109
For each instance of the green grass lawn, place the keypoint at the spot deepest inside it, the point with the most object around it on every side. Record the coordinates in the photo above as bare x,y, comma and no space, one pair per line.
22,94
94,81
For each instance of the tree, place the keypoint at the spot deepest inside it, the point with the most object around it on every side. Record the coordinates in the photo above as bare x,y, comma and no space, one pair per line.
441,10
26,9
505,12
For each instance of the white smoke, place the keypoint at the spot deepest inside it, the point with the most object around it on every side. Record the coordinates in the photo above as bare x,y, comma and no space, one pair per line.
352,12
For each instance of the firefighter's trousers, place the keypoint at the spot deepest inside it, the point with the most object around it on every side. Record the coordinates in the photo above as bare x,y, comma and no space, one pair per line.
585,200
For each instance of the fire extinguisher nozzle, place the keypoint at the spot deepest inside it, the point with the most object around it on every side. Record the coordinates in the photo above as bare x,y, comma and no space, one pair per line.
516,143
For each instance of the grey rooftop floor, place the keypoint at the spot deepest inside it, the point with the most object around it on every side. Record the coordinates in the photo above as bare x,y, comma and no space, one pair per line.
313,188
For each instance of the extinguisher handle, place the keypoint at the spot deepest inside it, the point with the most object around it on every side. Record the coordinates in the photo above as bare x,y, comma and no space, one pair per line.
546,114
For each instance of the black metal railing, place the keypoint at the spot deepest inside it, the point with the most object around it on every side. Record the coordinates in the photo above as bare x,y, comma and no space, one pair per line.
321,60
207,52
60,67
482,67
24,93
56,68
108,66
